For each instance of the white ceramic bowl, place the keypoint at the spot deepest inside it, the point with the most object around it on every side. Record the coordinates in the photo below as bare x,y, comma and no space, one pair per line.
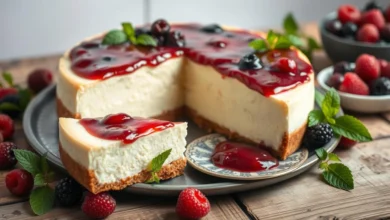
357,103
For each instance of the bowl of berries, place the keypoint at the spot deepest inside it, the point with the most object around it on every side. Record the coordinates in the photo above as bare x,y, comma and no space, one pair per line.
350,32
363,85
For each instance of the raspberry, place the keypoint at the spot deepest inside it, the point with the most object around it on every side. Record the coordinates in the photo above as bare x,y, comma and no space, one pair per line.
374,17
192,204
367,67
68,191
346,143
285,65
348,13
7,157
6,126
380,86
98,206
354,85
368,33
318,135
39,79
19,182
7,91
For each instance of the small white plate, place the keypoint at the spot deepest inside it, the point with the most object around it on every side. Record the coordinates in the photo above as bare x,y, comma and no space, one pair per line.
200,150
357,103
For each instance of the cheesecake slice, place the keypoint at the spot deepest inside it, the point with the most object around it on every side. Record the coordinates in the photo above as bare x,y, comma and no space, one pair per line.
113,152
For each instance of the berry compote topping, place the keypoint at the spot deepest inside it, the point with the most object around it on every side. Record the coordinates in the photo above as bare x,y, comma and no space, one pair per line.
123,127
206,45
242,157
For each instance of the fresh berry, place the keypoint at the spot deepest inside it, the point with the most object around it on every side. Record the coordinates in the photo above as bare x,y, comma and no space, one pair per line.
334,27
380,86
139,31
348,13
39,79
367,67
192,204
212,28
368,33
160,27
318,135
382,65
176,39
387,14
6,126
346,143
349,29
374,17
343,67
250,62
11,99
354,85
372,5
386,71
385,33
98,206
7,157
335,80
7,91
285,65
68,192
19,182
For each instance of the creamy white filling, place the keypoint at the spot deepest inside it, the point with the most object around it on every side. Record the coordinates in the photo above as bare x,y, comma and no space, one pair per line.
111,160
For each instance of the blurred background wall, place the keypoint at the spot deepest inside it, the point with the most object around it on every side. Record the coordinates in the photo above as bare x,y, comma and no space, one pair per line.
41,27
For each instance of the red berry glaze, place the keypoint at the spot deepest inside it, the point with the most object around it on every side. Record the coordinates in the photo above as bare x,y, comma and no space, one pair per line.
98,206
374,17
7,91
346,143
285,65
354,85
6,126
368,33
192,204
367,67
348,13
19,182
39,79
7,157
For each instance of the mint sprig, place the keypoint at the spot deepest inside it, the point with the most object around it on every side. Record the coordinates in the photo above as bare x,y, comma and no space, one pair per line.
127,34
42,197
156,164
336,174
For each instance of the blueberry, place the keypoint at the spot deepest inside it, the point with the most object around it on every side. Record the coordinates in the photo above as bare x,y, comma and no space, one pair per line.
385,33
250,62
349,29
143,30
343,67
334,27
212,28
160,27
380,86
372,5
12,99
175,39
335,80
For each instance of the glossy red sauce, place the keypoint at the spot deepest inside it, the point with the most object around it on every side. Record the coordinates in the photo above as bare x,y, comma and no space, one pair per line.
123,127
92,60
242,157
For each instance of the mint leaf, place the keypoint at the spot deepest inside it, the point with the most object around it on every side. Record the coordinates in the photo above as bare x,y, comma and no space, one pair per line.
331,104
333,157
282,42
25,97
50,177
42,200
114,37
272,38
315,117
259,45
323,165
7,106
154,178
319,97
313,44
129,31
295,40
146,40
28,160
157,162
339,176
351,128
39,180
8,78
290,25
44,166
321,153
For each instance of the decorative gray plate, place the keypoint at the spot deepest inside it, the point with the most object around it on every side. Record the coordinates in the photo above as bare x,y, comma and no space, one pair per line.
200,150
40,123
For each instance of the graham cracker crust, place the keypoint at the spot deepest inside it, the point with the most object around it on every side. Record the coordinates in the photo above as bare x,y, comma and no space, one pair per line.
88,179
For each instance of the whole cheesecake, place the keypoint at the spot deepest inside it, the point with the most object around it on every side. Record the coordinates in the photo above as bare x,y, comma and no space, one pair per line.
208,73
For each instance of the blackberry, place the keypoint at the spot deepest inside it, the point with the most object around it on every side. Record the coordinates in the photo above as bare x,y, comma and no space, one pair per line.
12,99
380,86
318,135
68,192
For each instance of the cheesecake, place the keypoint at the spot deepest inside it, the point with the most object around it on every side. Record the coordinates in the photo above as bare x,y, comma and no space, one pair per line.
208,73
113,152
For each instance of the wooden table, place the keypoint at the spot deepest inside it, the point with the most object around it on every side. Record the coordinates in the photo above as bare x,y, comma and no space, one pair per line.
303,197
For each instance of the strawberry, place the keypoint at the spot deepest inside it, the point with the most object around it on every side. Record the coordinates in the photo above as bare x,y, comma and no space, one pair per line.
19,182
98,205
7,91
348,13
367,67
346,143
192,204
7,157
354,85
368,33
6,126
374,17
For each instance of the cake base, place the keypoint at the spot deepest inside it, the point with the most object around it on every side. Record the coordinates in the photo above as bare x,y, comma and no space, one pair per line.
88,179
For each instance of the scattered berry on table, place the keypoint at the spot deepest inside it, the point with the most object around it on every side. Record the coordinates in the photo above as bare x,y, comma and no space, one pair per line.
334,27
6,126
12,99
39,79
7,157
380,86
68,192
346,143
7,91
335,80
354,85
374,17
318,135
367,67
98,205
192,204
19,182
368,33
348,13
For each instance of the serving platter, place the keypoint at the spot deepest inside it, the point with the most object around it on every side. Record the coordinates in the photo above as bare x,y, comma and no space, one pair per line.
40,123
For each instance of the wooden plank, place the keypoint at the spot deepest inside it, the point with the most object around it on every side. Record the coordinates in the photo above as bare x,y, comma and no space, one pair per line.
308,197
376,125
